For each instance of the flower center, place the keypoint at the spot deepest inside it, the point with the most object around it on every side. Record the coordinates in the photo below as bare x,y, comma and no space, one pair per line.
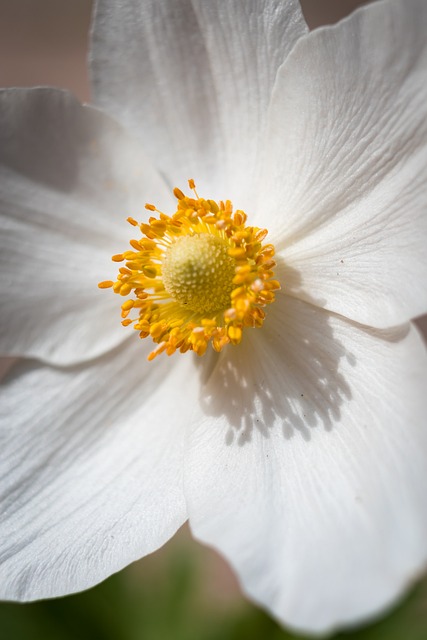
198,276
198,272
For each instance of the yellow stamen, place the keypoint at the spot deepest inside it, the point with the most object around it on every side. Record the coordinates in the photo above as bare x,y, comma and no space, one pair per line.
198,276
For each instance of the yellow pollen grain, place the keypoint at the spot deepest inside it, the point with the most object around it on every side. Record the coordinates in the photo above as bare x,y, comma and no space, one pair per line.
106,284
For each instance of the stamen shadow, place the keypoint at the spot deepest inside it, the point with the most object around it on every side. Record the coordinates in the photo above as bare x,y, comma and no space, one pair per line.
287,375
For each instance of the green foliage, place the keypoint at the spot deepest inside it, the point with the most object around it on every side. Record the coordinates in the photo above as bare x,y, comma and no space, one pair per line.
166,597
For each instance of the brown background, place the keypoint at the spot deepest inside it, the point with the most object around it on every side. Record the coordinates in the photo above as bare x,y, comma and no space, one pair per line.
45,41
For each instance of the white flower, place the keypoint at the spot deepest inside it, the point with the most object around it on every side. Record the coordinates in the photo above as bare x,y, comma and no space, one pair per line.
300,454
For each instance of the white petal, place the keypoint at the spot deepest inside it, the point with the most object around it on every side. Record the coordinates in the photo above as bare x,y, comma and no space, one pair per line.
91,461
345,177
309,467
69,179
421,323
193,79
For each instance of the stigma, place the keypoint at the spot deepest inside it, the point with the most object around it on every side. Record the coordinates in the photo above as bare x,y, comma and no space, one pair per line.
198,276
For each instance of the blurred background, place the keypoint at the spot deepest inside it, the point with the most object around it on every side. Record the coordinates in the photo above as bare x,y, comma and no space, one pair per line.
184,591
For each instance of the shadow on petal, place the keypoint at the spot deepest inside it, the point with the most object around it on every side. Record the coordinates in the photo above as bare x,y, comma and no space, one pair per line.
292,374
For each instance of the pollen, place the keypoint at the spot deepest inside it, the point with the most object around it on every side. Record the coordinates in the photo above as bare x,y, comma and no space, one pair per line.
200,275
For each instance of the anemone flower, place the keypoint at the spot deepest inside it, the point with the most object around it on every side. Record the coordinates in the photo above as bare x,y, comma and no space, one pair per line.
299,451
